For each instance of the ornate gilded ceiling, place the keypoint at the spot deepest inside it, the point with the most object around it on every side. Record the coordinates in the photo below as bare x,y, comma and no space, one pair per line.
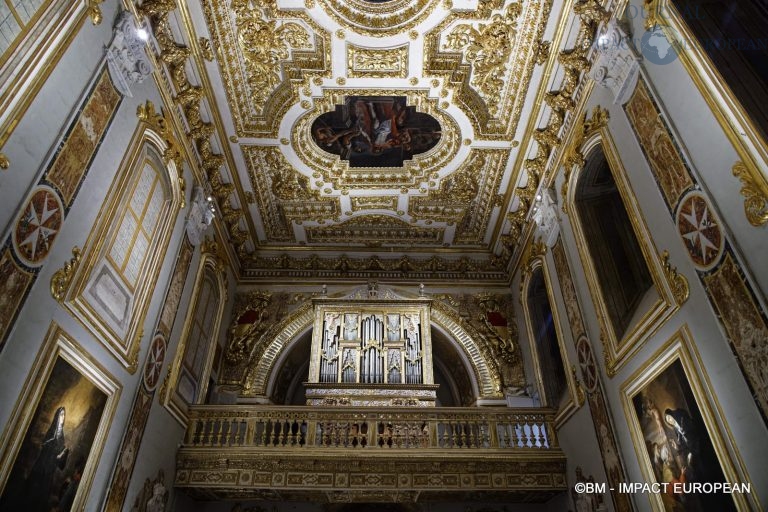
383,134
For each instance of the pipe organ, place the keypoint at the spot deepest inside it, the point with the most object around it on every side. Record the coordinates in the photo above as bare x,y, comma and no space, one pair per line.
371,352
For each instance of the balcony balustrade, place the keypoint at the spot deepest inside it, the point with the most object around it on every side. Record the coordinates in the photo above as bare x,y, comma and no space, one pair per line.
366,454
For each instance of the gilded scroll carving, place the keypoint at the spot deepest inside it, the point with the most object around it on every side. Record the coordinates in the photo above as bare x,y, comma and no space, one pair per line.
755,191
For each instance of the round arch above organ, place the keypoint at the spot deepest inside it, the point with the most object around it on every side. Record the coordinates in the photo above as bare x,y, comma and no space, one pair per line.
391,347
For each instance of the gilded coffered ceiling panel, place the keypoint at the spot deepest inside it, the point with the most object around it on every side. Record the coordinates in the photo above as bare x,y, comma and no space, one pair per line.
377,62
265,54
350,127
467,197
487,56
376,18
283,194
335,170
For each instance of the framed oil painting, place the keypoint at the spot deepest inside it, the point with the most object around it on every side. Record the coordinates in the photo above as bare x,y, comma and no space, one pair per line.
53,442
376,131
676,436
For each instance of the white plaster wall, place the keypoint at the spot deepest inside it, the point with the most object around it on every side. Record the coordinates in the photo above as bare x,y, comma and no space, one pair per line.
728,384
29,149
710,154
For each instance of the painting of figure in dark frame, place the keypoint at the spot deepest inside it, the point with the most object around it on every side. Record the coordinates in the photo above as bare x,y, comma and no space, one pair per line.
375,131
677,441
52,457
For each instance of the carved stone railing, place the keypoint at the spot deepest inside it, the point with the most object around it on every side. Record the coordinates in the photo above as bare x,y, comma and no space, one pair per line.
346,428
342,454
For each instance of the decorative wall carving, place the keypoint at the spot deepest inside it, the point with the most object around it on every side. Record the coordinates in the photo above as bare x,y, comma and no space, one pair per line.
667,164
487,57
200,216
378,62
126,58
755,193
616,66
744,321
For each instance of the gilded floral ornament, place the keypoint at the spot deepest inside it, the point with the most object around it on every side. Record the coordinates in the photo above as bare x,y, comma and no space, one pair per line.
265,44
487,48
161,123
677,281
581,395
755,191
652,16
94,11
378,19
62,278
206,49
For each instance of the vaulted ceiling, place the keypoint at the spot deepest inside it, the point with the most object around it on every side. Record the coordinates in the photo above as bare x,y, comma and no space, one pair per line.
362,138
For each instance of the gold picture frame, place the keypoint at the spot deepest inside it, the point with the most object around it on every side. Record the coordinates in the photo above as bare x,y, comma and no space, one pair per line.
54,439
676,434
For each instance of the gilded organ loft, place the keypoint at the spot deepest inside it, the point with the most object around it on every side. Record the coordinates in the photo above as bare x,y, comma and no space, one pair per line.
382,255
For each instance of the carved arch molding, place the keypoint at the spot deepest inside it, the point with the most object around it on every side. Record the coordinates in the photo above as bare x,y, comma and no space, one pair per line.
264,359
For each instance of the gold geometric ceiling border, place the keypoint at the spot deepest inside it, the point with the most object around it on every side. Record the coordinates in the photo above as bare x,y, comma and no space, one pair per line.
283,194
377,62
466,197
265,56
375,231
331,170
488,59
376,19
189,97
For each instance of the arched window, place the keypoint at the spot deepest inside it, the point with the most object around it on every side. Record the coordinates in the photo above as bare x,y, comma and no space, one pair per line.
554,380
632,288
616,254
550,359
122,257
191,370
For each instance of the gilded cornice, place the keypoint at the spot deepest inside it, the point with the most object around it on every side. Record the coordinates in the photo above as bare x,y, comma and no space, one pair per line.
562,102
336,173
265,55
175,56
435,268
375,231
487,56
